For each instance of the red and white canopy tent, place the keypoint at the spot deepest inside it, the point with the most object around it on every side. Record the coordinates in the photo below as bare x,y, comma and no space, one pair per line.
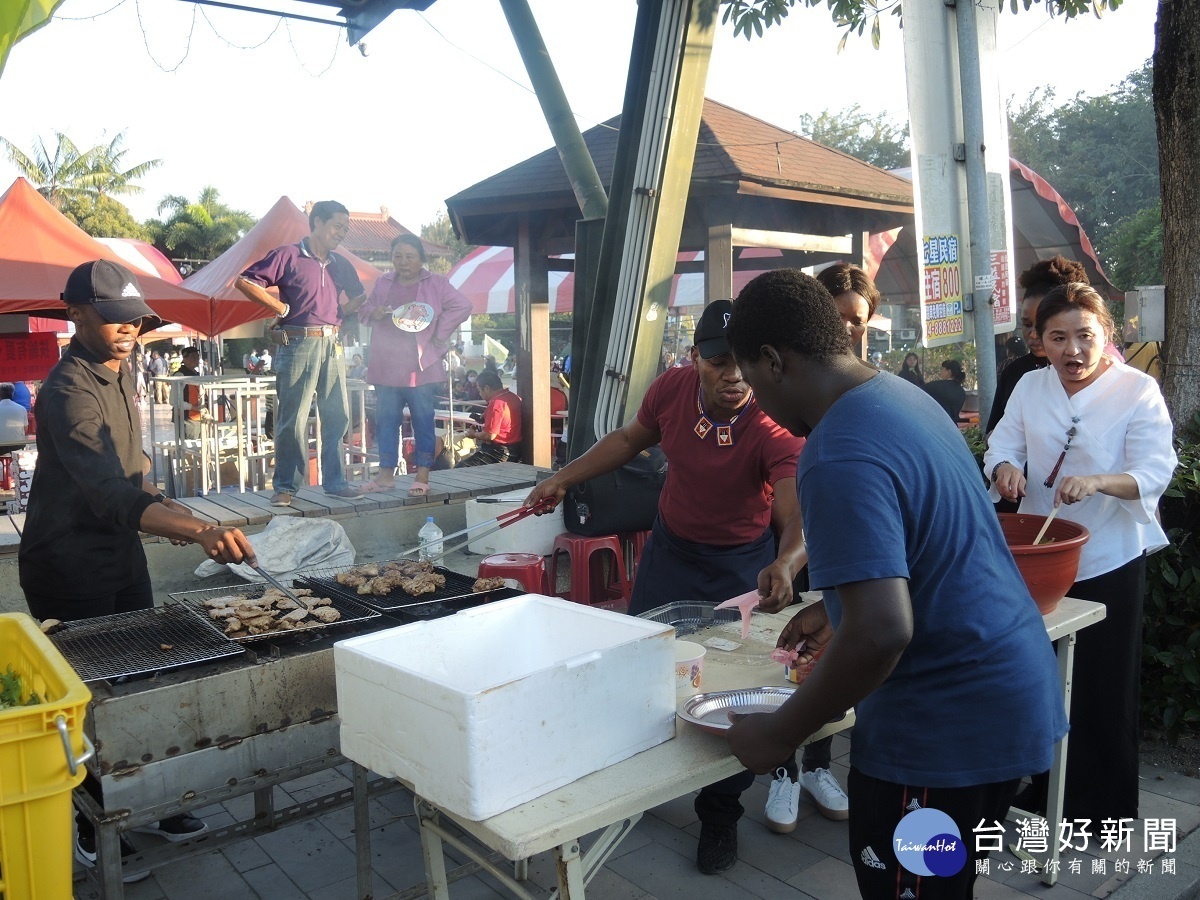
284,223
1043,226
142,259
39,247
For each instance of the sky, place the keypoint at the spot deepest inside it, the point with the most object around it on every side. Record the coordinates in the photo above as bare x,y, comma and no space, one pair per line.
259,107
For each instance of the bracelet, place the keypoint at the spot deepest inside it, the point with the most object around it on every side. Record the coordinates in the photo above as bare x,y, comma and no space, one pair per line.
996,468
286,311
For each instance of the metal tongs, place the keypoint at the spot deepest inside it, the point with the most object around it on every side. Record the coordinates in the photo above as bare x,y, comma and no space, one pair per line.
483,529
276,583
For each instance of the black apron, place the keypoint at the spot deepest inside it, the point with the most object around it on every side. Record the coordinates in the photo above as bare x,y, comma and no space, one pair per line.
672,570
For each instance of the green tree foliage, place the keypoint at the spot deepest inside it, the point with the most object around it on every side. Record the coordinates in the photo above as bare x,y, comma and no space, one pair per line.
750,17
1101,154
103,217
81,183
200,230
441,231
1171,636
873,139
109,177
58,174
1133,249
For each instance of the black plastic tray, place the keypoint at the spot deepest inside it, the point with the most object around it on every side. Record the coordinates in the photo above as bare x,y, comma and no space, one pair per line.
454,595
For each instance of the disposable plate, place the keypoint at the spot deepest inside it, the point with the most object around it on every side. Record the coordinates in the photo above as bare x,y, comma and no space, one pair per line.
710,711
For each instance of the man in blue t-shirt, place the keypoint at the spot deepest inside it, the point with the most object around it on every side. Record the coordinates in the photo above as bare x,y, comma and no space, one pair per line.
929,631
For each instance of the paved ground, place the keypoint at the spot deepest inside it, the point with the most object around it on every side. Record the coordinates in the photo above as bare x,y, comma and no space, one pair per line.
315,859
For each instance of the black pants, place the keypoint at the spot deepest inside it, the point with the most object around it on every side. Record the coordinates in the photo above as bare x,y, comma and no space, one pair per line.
1102,747
487,453
877,806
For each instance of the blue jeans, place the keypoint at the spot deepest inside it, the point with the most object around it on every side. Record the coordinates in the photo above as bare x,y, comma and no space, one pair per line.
389,412
306,367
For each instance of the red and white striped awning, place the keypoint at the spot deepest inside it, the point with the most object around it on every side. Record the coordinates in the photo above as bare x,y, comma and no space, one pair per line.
143,258
486,276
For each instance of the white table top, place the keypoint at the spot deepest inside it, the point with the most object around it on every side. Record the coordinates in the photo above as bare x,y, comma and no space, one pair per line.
690,761
676,767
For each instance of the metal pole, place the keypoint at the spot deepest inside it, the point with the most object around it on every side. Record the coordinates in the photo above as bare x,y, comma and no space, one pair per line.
977,202
581,171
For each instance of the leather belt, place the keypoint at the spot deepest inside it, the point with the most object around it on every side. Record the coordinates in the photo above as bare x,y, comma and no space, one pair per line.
313,331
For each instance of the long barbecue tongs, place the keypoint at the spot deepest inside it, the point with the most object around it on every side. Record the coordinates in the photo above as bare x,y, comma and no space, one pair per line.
482,529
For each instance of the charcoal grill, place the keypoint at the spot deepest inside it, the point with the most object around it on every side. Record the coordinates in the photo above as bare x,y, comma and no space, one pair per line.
352,610
456,594
145,640
192,737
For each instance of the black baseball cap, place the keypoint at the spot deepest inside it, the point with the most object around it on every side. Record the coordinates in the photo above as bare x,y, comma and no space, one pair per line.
112,290
710,330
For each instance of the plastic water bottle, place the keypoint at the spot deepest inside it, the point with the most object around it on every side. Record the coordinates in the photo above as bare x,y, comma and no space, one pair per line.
430,539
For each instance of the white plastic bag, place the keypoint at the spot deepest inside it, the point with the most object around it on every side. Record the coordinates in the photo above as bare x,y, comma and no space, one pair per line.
289,543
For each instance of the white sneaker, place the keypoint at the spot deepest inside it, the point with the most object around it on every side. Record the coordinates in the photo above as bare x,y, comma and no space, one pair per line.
823,789
783,803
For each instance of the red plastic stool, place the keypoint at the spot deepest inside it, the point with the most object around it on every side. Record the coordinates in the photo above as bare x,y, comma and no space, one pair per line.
633,542
528,569
590,582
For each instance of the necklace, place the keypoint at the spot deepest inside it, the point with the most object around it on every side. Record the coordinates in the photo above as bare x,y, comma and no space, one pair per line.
704,424
1071,432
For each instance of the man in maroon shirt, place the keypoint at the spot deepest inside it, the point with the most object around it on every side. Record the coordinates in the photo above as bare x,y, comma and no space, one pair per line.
731,473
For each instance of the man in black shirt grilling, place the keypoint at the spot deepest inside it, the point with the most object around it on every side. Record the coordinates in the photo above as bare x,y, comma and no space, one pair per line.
81,555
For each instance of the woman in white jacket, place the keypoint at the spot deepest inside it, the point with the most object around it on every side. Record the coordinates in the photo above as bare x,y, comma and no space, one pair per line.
1095,435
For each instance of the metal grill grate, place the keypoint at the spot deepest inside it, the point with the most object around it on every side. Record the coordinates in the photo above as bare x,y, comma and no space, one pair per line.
454,595
147,640
351,610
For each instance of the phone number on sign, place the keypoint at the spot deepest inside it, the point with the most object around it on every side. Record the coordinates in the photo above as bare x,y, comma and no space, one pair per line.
944,327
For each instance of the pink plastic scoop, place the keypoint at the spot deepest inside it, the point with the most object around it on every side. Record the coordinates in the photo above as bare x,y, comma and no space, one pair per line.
745,602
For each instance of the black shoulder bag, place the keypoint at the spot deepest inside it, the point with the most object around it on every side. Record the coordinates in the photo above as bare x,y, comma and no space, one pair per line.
625,499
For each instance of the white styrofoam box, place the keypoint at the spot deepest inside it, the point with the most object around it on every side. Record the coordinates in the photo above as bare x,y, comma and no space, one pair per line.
491,707
533,534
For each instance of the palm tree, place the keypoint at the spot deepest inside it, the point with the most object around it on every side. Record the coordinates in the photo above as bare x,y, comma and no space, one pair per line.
202,230
81,184
59,176
107,177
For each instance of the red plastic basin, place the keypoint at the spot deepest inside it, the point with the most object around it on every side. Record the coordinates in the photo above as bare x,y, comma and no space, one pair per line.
1049,569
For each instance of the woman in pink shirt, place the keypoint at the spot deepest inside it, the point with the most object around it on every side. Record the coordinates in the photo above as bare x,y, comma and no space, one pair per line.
413,316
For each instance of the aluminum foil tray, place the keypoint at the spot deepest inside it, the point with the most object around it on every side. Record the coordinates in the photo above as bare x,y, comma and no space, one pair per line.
710,711
352,611
690,617
133,643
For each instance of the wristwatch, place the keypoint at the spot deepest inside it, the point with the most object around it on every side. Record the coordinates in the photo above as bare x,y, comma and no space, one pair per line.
160,497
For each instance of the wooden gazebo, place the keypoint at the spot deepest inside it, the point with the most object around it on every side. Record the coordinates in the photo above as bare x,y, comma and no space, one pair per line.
753,185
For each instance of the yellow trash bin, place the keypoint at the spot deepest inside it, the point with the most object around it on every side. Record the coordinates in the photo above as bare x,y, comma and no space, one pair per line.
41,756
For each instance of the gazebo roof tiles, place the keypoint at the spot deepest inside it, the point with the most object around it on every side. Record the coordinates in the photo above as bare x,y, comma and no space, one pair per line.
731,145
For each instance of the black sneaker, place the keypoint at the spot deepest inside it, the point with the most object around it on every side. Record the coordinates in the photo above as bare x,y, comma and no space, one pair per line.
176,828
717,850
85,852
